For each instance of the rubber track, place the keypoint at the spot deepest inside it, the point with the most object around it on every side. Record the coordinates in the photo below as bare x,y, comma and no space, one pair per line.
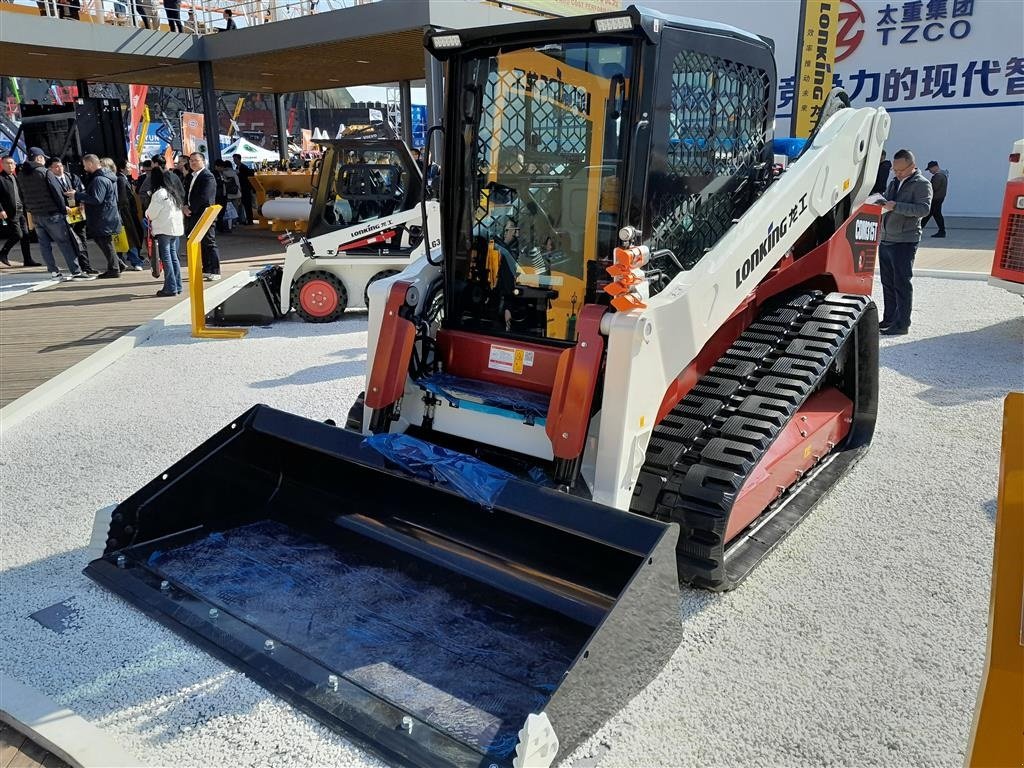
701,454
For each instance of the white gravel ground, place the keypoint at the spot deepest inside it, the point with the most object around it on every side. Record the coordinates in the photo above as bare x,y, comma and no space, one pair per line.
860,641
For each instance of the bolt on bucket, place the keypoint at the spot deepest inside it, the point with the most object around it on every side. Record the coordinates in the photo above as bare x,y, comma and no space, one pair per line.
429,627
258,302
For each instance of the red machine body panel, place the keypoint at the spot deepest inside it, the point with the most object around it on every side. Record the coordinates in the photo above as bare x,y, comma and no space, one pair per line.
821,424
575,386
394,349
483,358
1008,262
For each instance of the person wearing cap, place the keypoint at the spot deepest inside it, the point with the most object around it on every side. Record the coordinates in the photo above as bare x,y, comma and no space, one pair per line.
940,181
49,208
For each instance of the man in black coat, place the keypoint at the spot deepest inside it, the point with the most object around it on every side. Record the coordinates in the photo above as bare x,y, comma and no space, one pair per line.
245,175
202,193
45,200
102,220
12,214
67,181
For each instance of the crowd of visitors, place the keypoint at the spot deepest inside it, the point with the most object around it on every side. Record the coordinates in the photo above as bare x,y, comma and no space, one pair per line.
126,219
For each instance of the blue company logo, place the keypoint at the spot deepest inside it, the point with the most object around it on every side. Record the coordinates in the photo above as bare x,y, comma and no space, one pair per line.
917,21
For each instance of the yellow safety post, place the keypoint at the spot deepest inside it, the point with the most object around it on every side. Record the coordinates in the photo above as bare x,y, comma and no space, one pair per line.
998,736
195,281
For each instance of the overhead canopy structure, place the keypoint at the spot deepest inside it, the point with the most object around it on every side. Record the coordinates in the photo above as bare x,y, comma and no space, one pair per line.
377,42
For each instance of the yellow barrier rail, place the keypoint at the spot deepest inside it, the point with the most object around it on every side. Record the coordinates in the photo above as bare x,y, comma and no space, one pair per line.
195,281
998,735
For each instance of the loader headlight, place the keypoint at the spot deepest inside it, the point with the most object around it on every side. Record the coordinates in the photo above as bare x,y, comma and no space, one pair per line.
1020,202
613,24
446,41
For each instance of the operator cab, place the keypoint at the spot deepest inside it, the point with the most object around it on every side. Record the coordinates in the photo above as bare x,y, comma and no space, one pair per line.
556,141
366,174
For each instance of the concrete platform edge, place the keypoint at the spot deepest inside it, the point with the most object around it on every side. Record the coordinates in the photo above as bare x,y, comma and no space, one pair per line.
59,730
50,391
951,274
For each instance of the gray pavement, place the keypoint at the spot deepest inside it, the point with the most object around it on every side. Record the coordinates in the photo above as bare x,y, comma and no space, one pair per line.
964,249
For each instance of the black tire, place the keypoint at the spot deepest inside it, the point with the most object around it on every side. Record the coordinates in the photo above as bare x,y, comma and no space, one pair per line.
379,276
319,297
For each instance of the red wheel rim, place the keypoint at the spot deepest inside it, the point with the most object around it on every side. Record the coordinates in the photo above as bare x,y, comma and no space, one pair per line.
318,298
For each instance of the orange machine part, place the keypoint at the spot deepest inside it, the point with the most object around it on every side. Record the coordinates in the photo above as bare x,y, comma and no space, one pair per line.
575,382
1008,263
820,424
394,350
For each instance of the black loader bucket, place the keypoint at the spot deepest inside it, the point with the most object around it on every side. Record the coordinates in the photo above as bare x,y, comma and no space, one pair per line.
258,302
429,627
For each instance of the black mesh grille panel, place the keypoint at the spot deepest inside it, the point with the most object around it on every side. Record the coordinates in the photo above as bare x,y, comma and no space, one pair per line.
719,124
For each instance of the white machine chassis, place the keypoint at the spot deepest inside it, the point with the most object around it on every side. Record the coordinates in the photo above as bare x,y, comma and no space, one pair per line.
354,269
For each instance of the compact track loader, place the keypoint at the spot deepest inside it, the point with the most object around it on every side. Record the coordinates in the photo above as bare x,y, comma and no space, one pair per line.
640,355
366,221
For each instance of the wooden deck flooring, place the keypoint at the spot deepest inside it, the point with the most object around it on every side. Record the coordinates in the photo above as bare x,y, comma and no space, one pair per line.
47,331
18,751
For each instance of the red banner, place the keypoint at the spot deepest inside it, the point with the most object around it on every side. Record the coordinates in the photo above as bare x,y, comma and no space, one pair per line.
192,131
137,98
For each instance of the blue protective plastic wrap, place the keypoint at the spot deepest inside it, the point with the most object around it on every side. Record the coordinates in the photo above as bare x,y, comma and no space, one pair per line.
788,146
467,659
471,477
487,397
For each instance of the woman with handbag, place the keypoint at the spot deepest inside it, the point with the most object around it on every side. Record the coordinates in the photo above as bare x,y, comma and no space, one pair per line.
167,225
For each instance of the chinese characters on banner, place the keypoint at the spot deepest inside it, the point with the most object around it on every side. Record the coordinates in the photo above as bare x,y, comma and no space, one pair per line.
192,130
935,84
137,99
815,61
975,79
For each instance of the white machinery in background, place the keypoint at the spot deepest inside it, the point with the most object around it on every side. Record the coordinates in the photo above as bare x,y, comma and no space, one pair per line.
365,223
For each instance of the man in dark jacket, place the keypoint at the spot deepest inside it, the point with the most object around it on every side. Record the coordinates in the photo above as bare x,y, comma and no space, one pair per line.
202,193
12,214
67,180
908,198
940,182
245,175
101,217
9,171
44,199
